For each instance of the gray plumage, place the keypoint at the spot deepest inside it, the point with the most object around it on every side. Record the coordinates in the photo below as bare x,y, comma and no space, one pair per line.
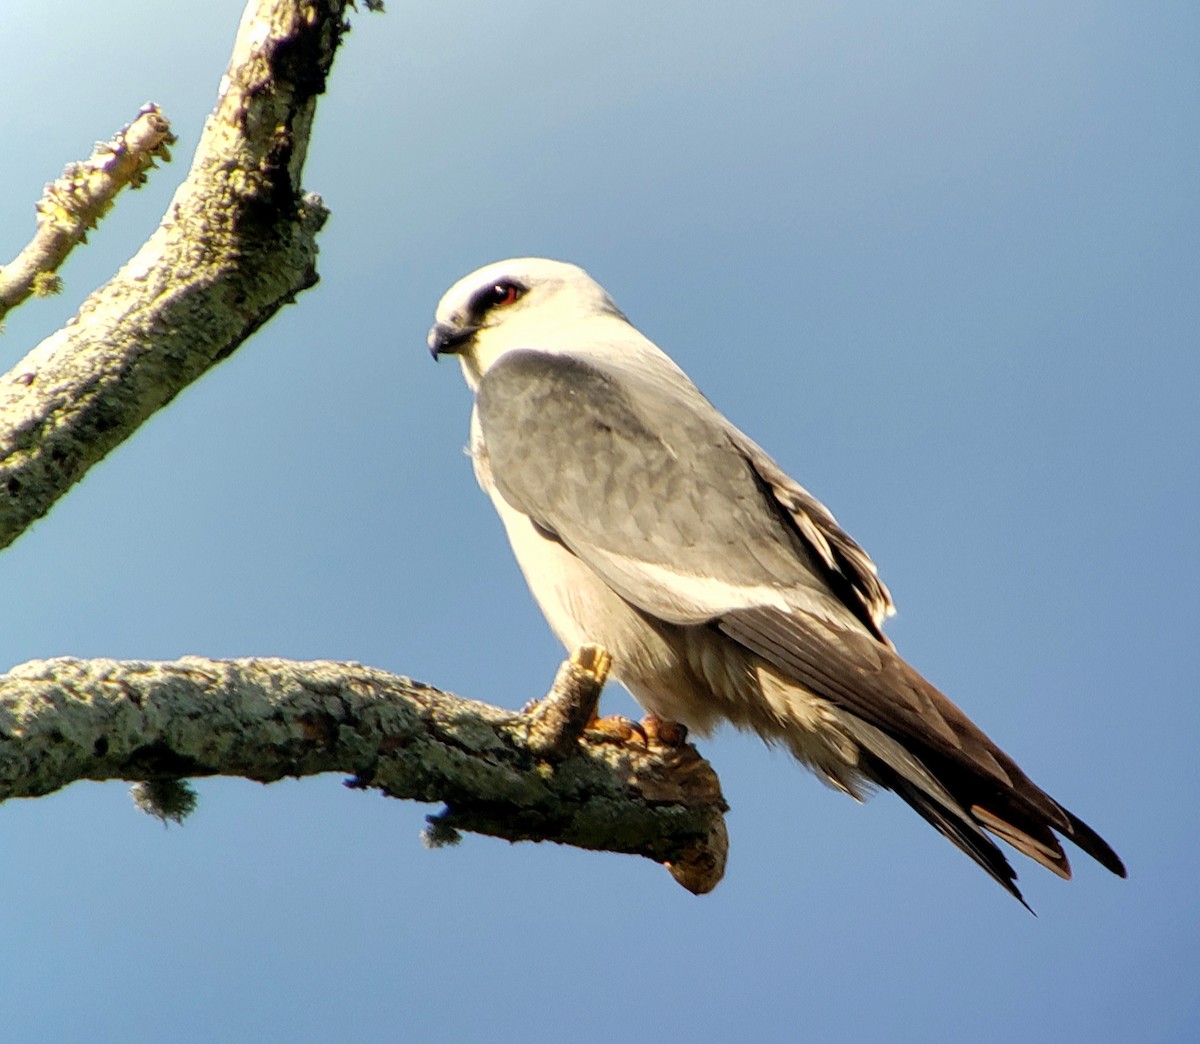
646,522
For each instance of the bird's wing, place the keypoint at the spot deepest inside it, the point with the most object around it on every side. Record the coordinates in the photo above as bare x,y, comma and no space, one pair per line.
658,499
652,487
848,569
683,517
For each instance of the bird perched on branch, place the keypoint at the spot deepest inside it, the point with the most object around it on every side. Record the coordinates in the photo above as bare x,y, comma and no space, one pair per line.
645,522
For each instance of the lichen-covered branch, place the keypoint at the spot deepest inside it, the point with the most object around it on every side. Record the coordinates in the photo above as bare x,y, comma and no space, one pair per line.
76,202
540,774
238,242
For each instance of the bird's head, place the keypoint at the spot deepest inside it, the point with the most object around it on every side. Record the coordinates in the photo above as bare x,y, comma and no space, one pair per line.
520,303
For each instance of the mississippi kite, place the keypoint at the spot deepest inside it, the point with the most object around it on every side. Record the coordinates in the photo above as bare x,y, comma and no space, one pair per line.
644,521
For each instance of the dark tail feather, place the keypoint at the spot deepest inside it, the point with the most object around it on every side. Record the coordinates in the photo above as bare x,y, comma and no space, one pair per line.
1024,815
961,805
1094,845
1030,838
900,771
1029,810
956,828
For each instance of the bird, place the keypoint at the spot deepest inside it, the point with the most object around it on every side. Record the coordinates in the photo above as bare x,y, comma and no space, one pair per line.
645,522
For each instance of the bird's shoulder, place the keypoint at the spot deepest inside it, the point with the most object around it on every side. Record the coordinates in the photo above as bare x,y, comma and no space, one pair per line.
631,391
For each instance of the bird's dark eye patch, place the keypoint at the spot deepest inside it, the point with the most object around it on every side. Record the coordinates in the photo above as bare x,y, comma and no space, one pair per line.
497,295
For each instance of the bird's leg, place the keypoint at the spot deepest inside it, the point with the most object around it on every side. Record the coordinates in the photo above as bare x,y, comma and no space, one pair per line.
569,709
557,721
594,661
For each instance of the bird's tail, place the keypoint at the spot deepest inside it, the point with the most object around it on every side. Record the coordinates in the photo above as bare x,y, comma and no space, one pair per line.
966,807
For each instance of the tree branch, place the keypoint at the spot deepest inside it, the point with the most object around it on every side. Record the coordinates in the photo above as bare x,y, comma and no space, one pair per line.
238,242
536,775
78,200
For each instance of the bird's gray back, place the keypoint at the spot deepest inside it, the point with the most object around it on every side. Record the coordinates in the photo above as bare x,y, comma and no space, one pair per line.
636,475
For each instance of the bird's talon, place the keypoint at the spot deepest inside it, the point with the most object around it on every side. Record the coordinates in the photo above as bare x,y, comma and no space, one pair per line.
616,729
664,733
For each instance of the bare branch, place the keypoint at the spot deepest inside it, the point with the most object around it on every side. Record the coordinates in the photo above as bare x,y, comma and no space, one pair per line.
238,242
76,202
507,774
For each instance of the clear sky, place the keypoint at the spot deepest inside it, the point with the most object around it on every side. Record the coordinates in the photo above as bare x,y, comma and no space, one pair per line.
940,259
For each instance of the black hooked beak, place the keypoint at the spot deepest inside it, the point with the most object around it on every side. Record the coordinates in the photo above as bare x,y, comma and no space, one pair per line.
445,339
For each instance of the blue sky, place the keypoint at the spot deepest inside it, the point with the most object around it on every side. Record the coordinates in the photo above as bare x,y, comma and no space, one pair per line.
941,260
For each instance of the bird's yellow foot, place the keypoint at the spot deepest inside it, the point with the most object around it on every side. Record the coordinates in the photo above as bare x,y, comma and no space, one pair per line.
651,731
616,729
662,732
595,661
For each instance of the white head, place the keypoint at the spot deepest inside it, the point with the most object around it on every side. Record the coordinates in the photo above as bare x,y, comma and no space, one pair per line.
527,302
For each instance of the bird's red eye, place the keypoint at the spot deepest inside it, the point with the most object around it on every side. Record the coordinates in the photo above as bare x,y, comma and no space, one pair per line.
504,294
495,295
